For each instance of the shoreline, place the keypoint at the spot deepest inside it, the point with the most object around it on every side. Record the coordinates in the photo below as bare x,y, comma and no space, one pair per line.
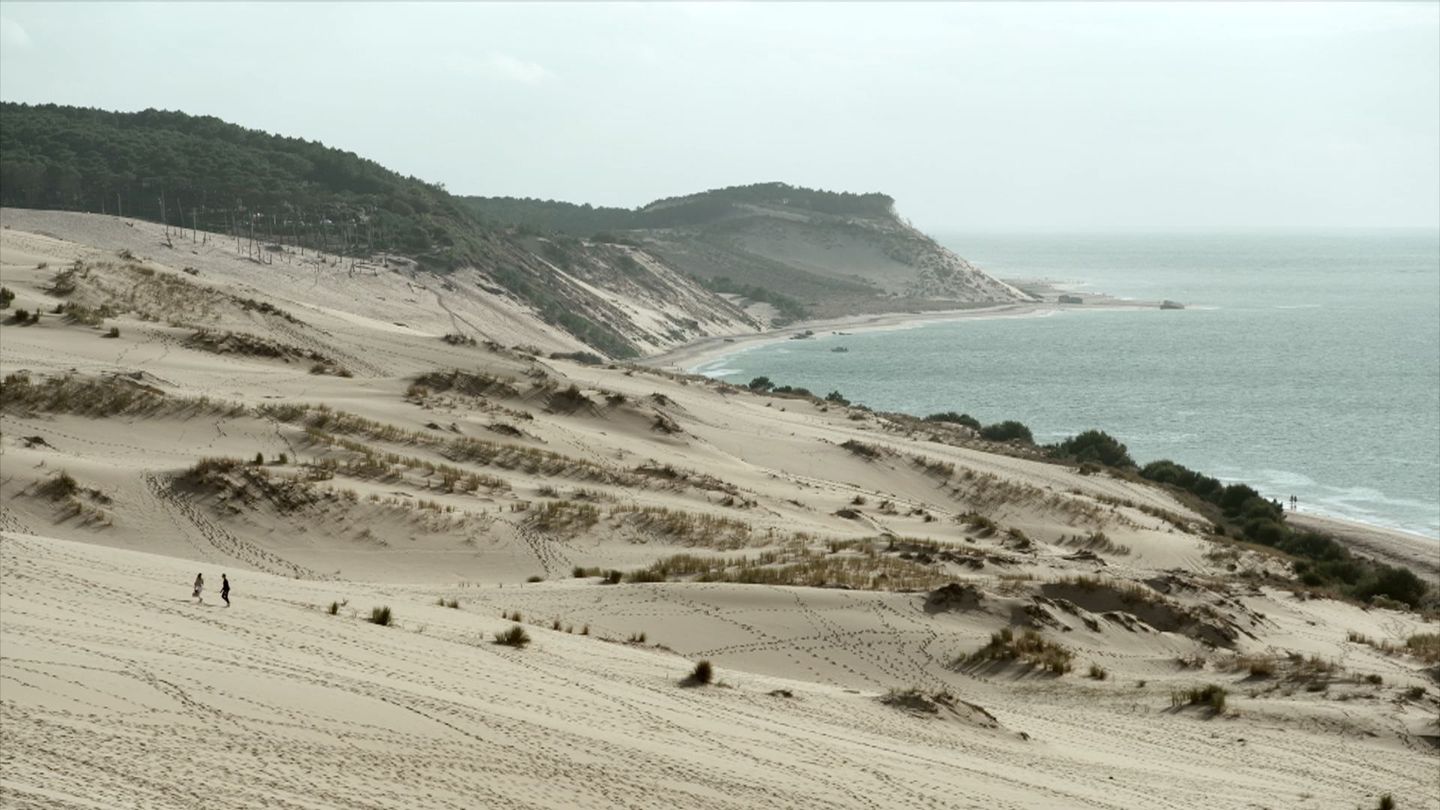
1407,547
1417,552
696,353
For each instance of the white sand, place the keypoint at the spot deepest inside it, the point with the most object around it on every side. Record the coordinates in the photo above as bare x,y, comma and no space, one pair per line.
117,690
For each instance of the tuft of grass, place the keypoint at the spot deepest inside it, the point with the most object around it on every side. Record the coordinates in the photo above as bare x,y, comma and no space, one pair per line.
636,638
1209,695
861,449
59,486
334,608
514,637
702,674
1258,666
1029,648
1098,672
1425,646
381,616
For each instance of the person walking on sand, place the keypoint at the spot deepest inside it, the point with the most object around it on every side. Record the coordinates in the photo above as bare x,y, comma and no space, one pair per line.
199,588
225,590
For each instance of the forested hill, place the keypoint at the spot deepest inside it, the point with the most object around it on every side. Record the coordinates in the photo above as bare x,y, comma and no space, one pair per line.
623,281
671,212
199,171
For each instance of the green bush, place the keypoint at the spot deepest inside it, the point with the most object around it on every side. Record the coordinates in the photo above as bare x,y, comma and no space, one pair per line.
1007,431
1097,447
955,419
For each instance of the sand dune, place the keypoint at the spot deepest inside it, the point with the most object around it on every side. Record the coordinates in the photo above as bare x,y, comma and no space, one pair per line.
852,561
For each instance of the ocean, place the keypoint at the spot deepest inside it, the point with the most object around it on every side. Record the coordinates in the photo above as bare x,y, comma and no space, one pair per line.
1304,364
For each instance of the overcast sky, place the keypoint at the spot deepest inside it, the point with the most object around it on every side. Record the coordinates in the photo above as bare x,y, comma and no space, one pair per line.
973,116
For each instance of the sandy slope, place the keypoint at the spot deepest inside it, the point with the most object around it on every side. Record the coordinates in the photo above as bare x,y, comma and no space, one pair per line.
116,690
120,690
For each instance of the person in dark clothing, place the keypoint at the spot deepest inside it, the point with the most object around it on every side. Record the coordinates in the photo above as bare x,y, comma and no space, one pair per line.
225,590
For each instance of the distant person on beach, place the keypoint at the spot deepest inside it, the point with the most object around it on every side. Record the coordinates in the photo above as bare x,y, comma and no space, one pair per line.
199,587
225,590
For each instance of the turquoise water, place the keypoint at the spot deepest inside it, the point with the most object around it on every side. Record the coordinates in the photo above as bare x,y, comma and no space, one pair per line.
1304,364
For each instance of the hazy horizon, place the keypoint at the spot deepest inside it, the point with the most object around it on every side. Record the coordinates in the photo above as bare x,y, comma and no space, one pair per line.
976,117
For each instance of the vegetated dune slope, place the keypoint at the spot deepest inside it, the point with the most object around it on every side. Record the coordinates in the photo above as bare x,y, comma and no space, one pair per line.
840,568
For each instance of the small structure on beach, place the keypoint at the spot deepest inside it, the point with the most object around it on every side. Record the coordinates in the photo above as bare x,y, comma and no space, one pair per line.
1168,304
1071,299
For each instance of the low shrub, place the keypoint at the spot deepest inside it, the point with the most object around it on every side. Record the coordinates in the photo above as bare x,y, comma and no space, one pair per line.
1098,672
1096,447
334,608
1007,431
955,419
381,616
702,674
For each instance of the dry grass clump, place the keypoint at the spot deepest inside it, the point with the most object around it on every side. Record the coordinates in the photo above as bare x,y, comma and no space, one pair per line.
564,516
87,316
59,486
939,469
381,616
464,382
101,396
1210,696
1127,592
234,480
917,700
702,675
1258,666
1096,541
688,528
514,637
1425,646
321,421
798,566
1029,648
861,449
978,524
366,462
